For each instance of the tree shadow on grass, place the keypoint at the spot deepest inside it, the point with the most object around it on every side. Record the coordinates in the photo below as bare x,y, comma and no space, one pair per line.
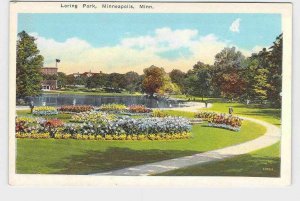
246,165
112,159
261,111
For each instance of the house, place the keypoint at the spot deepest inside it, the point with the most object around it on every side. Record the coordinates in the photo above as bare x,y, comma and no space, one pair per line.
85,74
48,85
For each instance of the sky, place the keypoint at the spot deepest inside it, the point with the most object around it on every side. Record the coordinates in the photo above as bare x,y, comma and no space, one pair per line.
131,42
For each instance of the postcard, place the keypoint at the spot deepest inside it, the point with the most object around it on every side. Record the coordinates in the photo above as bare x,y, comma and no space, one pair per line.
166,94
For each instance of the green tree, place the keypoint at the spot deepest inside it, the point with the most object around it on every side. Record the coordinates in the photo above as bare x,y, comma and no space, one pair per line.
227,73
61,79
178,77
168,86
275,69
198,81
132,81
153,79
70,79
29,64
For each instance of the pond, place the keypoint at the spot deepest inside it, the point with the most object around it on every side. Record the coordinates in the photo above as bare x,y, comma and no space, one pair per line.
96,100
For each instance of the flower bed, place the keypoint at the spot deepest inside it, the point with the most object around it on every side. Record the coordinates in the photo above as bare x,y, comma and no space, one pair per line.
35,126
206,116
138,109
99,125
33,135
93,117
221,120
75,108
158,113
159,136
113,107
108,125
44,110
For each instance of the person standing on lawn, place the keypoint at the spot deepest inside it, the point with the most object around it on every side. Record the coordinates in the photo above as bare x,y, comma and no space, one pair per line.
230,110
31,105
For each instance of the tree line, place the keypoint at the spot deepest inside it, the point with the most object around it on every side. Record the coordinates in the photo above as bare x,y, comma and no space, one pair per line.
232,76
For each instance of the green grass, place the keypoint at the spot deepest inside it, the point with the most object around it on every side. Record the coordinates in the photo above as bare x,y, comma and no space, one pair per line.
270,115
265,162
261,163
84,157
62,116
179,113
257,111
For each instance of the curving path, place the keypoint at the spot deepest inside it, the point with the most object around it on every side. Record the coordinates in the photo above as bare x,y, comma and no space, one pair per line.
271,136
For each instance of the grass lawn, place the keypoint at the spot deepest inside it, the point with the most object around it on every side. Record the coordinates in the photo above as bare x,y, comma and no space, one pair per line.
261,163
84,157
264,162
270,115
64,117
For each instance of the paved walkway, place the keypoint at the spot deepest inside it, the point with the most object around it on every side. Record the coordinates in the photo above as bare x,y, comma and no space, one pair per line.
271,136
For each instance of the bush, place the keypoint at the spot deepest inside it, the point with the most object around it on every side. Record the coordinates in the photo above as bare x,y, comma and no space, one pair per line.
44,110
76,108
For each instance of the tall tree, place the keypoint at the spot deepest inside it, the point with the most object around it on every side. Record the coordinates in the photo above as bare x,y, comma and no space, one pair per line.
153,80
275,75
70,79
132,81
61,79
228,68
198,80
29,64
177,77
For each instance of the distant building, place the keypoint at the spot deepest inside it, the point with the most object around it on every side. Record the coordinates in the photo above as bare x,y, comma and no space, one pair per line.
49,70
76,74
49,84
85,74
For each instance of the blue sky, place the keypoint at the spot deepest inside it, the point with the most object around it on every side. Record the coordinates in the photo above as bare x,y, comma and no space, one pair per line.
98,31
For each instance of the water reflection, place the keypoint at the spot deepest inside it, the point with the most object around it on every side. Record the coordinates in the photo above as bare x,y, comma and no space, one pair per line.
67,99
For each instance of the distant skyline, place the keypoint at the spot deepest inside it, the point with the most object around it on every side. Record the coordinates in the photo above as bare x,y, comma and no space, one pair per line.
132,42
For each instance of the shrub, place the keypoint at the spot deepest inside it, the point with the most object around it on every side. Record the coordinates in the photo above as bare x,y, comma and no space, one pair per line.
138,109
76,108
44,110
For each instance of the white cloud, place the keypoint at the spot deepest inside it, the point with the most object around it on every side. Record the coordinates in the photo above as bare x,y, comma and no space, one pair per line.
235,26
132,53
164,39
